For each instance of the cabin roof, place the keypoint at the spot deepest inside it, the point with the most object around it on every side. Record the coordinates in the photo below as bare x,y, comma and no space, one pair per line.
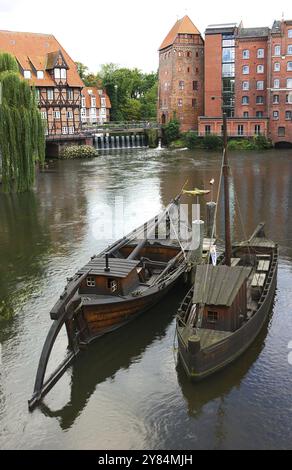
218,285
119,268
257,243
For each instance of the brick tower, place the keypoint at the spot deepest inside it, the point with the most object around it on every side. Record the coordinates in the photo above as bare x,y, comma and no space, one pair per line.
181,75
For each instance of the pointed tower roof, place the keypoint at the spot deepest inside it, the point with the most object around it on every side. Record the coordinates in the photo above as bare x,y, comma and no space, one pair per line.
182,26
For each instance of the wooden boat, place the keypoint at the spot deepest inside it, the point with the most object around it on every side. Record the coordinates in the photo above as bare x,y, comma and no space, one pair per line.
229,303
124,281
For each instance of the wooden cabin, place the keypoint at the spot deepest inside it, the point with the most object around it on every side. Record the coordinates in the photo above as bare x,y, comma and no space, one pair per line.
220,293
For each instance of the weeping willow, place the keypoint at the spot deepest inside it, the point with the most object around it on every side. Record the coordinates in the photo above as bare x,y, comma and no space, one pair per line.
22,138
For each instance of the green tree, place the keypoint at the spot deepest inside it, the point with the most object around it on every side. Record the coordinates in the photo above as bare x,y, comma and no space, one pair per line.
172,130
22,140
82,70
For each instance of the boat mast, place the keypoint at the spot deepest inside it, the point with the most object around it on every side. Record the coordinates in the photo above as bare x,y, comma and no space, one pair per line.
226,172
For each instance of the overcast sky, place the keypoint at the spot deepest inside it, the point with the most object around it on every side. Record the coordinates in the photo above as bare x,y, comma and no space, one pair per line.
128,32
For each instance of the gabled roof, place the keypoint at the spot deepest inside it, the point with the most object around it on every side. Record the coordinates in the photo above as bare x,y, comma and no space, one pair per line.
253,33
33,50
182,26
221,285
87,92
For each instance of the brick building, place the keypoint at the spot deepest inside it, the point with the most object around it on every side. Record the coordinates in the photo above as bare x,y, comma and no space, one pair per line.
95,106
46,65
181,75
248,75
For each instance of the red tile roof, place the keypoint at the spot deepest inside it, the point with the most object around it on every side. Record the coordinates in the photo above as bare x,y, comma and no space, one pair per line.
95,92
182,26
32,50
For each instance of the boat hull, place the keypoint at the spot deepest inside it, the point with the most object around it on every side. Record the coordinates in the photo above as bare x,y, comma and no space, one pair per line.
213,359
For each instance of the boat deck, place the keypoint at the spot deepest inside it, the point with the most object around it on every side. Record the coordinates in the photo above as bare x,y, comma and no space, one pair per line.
211,337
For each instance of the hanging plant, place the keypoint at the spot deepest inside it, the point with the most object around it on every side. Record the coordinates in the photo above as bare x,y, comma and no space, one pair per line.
22,139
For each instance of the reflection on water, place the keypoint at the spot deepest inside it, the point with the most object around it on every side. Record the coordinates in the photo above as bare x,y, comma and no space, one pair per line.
126,391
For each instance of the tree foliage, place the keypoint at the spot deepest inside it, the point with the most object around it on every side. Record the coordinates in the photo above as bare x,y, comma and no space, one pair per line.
22,140
133,94
172,131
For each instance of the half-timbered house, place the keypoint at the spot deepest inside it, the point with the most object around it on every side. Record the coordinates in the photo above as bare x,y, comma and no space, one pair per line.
48,67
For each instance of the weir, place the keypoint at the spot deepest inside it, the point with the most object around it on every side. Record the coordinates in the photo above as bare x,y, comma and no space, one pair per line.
119,142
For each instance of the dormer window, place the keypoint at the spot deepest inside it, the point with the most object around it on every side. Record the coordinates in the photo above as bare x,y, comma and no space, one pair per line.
93,102
63,74
27,74
40,75
103,102
83,102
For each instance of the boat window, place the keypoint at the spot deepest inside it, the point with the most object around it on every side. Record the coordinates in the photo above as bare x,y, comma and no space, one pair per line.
91,282
213,317
112,285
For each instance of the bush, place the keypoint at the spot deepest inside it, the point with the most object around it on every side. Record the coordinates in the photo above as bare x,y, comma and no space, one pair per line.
241,144
172,131
192,140
212,142
78,152
262,143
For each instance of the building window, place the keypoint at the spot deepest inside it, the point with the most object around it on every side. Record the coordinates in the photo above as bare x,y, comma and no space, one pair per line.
290,33
63,74
260,100
288,115
245,54
64,130
40,75
261,53
289,49
245,70
276,99
189,54
83,102
69,114
180,102
207,130
112,285
83,114
245,100
246,114
245,85
57,73
289,98
189,69
277,50
259,114
181,85
71,130
93,102
275,115
276,83
27,74
281,131
289,83
228,70
90,281
213,317
277,67
50,94
228,54
56,114
44,115
70,95
228,42
38,94
195,85
289,66
260,69
257,129
103,102
240,129
260,85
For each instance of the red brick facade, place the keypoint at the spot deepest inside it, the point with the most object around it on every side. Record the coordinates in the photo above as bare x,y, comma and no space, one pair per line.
247,72
181,76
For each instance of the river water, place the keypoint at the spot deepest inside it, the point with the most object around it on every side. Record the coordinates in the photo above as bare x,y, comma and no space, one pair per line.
126,391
